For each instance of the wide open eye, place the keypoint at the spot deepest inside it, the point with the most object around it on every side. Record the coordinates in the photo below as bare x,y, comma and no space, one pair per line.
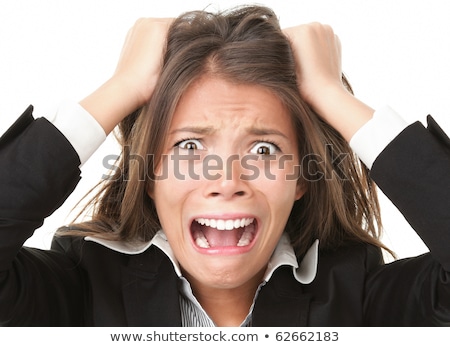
190,144
264,148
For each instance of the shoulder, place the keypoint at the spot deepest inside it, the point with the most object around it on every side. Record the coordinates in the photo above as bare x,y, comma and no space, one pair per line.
354,260
337,292
93,251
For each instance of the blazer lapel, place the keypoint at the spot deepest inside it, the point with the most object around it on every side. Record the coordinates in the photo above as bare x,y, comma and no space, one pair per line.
438,133
18,126
150,290
282,302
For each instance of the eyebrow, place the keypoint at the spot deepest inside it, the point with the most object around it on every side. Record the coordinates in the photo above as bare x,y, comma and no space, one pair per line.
209,130
194,129
265,131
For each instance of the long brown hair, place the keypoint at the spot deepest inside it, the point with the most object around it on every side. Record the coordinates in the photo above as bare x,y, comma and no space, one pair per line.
242,45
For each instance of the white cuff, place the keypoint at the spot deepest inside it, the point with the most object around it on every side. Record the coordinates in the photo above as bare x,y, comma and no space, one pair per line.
373,137
80,128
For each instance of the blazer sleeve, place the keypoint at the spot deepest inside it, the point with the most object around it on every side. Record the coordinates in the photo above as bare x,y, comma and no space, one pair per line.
413,171
38,170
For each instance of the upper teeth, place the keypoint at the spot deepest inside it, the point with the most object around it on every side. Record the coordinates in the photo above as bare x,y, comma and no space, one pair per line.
225,224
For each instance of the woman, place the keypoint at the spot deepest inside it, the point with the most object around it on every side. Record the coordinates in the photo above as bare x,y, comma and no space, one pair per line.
233,203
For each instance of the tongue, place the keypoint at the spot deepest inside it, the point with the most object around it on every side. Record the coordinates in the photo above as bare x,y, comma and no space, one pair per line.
222,238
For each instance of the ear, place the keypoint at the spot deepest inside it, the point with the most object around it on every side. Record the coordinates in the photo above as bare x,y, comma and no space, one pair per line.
300,189
150,190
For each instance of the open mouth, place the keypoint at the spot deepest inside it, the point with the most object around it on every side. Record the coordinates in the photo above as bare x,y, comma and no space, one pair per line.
220,233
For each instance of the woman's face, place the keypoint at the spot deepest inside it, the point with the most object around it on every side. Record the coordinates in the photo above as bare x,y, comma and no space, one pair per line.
226,182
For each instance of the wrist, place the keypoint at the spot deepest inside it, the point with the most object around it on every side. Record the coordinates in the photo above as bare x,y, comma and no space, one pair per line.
111,103
135,91
341,109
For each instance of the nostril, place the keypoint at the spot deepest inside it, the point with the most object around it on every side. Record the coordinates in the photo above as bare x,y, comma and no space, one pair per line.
240,193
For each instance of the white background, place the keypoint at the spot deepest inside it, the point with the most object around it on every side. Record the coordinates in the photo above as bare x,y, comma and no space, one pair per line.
394,52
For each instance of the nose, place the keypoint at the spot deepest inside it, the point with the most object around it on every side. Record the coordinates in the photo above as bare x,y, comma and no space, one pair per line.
225,179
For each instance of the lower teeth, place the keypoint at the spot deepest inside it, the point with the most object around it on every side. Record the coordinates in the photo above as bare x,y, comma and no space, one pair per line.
202,242
245,239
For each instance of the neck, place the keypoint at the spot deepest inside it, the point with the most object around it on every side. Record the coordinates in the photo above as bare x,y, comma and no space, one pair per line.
227,306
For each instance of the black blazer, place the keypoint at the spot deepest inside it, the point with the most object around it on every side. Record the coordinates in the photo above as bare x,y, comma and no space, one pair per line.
79,283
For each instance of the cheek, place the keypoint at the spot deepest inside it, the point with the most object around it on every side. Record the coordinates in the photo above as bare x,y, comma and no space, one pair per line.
168,196
169,206
173,185
279,194
283,191
283,177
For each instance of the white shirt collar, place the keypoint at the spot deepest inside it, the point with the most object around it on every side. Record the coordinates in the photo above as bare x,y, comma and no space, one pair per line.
283,255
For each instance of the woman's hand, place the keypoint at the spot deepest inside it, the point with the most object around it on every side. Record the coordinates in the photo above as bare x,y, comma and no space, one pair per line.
136,74
140,61
317,51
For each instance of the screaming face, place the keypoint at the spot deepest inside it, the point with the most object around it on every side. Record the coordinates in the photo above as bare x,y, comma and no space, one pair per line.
227,195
